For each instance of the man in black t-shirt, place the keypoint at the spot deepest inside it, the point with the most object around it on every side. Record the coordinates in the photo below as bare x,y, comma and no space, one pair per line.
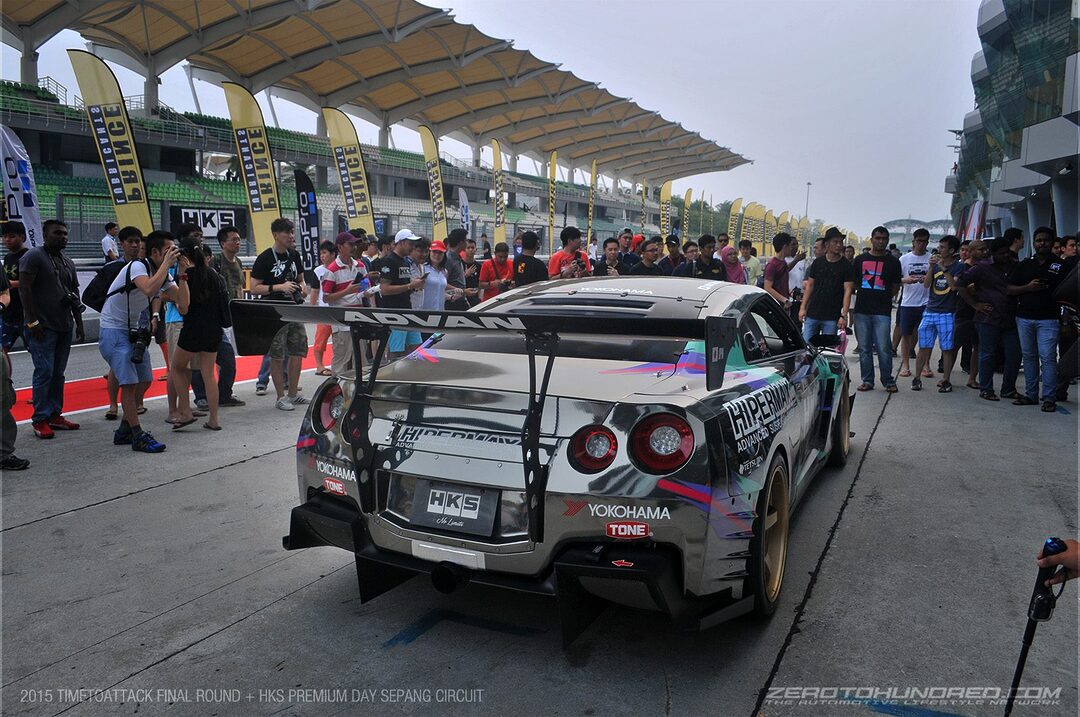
14,241
472,273
278,275
527,268
827,290
876,276
396,284
708,267
1038,318
650,256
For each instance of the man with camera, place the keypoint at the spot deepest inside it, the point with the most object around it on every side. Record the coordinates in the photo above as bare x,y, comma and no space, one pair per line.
568,262
610,264
497,273
49,288
278,275
126,332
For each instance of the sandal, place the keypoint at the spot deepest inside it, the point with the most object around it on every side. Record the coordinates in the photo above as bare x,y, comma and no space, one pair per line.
140,410
945,387
111,415
324,372
1024,401
1049,407
865,387
891,388
905,373
927,373
989,396
180,424
975,386
208,427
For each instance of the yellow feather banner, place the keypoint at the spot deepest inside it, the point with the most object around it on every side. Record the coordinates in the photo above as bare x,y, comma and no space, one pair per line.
665,208
257,168
500,198
352,177
552,165
435,185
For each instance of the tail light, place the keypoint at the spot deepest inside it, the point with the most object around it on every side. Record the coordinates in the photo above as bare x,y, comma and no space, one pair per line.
593,449
330,409
661,443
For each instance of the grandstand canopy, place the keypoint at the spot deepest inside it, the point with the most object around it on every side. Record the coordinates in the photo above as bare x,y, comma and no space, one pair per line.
390,61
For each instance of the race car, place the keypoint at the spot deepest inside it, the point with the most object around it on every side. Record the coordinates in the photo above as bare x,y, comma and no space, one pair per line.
634,440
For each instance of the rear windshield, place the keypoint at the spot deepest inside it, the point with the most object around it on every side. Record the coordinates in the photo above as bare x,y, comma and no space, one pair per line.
614,348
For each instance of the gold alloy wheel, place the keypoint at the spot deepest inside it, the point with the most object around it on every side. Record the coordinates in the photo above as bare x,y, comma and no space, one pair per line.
775,537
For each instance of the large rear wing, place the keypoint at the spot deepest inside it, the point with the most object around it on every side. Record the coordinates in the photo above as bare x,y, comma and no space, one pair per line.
256,322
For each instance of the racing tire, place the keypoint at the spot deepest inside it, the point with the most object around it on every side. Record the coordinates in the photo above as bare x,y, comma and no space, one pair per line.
769,545
841,429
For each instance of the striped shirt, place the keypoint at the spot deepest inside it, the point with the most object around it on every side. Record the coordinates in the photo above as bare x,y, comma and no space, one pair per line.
339,276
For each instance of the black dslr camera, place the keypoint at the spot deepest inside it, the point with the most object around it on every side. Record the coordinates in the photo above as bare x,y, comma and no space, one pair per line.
71,301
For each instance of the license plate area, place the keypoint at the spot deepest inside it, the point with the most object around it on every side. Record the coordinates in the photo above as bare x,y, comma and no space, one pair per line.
454,507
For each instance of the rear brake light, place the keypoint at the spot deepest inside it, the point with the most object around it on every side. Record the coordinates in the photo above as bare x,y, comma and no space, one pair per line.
661,443
331,408
593,449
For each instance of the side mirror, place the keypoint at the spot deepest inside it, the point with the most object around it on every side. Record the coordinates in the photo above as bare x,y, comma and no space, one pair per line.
824,341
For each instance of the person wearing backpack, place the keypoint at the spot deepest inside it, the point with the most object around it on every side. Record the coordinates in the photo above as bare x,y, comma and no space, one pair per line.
125,332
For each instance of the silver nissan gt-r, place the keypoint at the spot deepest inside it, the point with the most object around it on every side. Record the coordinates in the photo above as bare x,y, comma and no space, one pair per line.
638,440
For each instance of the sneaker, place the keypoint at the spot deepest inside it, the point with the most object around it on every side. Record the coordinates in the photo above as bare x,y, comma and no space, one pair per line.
59,423
260,389
916,384
145,443
297,400
122,436
13,463
42,430
231,401
1049,407
284,404
202,404
945,387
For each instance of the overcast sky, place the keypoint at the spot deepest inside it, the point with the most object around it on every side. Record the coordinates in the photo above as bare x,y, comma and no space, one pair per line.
855,96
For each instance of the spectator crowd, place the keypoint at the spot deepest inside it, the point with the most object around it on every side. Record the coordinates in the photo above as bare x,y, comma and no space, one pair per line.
983,307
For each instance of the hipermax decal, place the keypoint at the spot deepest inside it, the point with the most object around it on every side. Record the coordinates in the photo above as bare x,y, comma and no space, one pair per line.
757,416
411,435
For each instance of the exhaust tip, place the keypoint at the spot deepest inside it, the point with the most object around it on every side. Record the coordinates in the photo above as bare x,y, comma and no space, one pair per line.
448,577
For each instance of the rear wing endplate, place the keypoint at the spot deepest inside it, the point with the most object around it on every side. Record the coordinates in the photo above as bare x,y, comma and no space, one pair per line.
255,324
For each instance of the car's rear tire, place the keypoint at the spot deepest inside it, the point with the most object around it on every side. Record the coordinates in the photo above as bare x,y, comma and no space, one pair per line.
841,428
769,546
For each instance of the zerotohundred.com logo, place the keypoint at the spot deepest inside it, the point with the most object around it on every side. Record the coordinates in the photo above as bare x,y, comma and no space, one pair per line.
935,696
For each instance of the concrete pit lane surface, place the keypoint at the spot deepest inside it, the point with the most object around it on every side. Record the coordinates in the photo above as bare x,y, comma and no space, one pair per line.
158,585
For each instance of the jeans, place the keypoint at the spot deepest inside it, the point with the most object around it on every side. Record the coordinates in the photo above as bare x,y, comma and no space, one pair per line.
50,356
264,372
813,327
226,363
873,334
1038,342
990,338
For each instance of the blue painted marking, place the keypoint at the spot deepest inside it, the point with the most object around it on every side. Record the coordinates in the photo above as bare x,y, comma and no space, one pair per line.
891,708
1062,409
411,632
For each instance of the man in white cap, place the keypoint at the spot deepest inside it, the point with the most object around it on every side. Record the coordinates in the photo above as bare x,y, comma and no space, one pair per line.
396,284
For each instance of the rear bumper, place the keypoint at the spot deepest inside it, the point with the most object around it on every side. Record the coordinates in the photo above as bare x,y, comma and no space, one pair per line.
582,576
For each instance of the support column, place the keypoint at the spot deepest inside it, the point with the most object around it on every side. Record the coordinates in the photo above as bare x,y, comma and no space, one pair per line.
1018,218
511,197
384,135
1038,214
1063,190
28,62
150,91
320,169
476,155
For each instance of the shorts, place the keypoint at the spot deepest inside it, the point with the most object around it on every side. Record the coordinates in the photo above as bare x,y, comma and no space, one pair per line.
399,340
322,336
200,339
291,340
115,348
172,337
937,326
909,318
